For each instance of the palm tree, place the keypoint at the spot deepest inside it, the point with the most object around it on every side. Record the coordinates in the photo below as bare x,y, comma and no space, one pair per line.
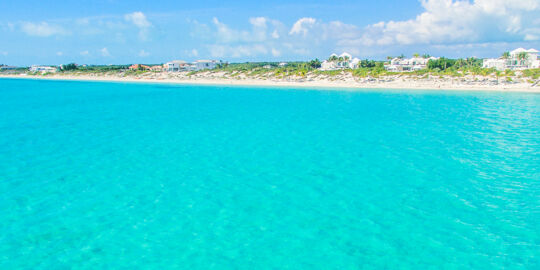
498,74
505,55
461,63
416,55
470,61
521,57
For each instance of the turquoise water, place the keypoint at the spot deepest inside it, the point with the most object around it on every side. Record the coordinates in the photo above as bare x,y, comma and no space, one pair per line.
156,176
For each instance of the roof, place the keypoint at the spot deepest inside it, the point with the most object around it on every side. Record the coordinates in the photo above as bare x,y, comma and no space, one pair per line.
518,50
176,62
522,50
345,55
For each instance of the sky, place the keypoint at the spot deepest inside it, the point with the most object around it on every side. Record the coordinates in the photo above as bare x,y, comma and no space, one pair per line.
122,32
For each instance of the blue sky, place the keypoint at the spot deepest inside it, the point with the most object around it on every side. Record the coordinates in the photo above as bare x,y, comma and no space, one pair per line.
121,32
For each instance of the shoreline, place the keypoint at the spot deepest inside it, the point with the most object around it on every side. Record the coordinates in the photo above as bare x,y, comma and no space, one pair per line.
344,85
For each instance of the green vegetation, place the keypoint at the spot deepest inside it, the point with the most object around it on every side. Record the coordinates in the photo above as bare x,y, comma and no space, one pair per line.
267,68
17,70
100,69
70,66
442,67
532,73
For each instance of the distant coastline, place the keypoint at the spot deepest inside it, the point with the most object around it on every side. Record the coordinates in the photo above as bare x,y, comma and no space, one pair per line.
479,83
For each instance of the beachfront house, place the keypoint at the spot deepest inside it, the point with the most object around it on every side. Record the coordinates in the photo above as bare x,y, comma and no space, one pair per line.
400,64
157,68
517,59
178,65
175,66
205,64
43,69
498,64
337,62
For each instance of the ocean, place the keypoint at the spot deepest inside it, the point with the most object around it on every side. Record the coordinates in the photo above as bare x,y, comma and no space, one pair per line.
97,175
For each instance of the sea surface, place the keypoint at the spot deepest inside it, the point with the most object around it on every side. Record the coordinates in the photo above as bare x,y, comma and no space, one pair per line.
158,176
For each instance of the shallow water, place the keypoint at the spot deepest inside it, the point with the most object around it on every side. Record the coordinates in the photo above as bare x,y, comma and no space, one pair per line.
156,176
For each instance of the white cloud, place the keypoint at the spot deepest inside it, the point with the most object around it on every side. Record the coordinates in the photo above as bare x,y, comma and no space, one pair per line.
259,28
268,37
85,53
59,53
4,53
258,22
258,32
105,52
143,53
302,26
228,35
194,52
261,39
42,29
441,22
530,37
449,21
139,20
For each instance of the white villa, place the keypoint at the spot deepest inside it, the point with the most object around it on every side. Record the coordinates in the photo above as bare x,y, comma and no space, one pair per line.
518,59
175,66
405,65
205,64
342,61
178,65
43,69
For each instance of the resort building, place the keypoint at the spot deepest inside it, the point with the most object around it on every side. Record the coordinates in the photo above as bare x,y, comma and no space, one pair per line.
407,65
337,62
43,69
157,68
517,59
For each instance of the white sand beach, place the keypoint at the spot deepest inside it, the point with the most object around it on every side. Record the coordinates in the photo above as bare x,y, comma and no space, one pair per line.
476,83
